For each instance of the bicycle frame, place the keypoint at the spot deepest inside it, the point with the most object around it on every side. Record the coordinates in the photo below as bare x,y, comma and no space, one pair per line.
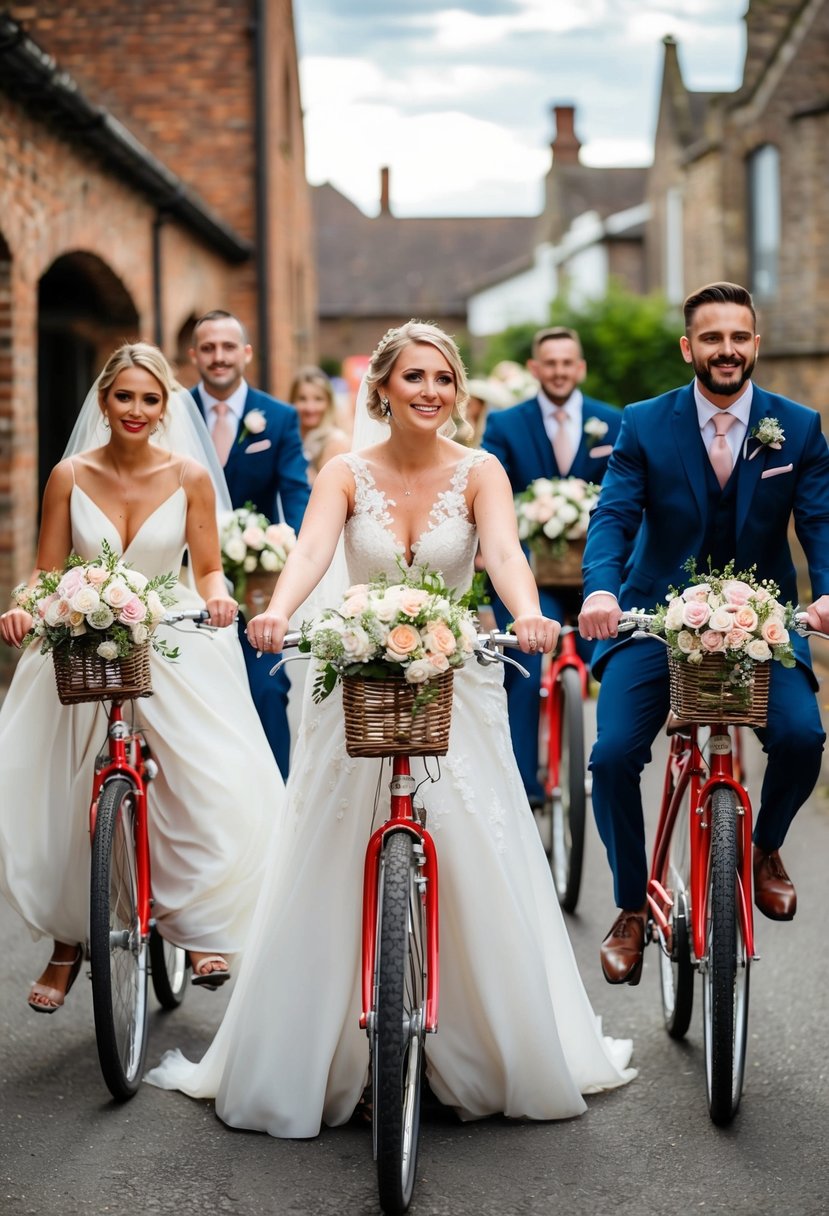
565,655
687,769
402,816
127,759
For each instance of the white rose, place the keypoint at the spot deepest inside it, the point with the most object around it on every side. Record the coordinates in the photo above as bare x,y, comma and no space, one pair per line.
254,422
553,528
270,561
107,650
57,612
117,593
695,656
357,644
155,607
254,537
85,600
569,513
235,548
139,632
721,620
673,617
386,607
687,642
136,580
419,671
758,650
102,617
250,563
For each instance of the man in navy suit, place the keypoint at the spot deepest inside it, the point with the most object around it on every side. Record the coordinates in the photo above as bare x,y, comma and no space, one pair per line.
257,440
668,491
558,433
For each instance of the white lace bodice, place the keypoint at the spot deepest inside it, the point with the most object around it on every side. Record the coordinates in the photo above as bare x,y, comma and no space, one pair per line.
447,545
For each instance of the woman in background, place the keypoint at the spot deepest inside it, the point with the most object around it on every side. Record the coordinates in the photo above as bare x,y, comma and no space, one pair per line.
313,399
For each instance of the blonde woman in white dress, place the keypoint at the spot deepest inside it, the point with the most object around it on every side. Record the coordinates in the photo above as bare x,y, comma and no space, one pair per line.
517,1034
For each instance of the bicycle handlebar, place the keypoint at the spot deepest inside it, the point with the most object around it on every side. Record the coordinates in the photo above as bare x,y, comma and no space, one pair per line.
199,615
641,622
486,650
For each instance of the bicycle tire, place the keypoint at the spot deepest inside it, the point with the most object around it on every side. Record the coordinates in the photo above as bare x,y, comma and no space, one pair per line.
676,971
169,965
568,804
725,985
397,1056
118,954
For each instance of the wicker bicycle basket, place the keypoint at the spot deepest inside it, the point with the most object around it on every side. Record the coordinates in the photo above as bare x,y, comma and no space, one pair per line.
381,720
701,692
82,675
564,571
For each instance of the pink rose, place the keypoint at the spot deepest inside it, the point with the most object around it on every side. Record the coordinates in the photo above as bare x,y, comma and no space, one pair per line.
402,641
737,592
96,576
132,611
746,618
354,605
735,638
696,594
438,661
439,637
71,582
412,600
712,640
254,537
695,614
774,632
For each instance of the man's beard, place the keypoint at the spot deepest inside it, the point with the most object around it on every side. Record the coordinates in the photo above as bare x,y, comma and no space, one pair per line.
706,373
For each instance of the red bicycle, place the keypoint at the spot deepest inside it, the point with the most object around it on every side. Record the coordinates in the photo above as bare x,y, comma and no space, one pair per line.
124,944
561,766
400,960
700,894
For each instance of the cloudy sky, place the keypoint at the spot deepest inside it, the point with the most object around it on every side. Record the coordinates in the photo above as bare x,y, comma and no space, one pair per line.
455,96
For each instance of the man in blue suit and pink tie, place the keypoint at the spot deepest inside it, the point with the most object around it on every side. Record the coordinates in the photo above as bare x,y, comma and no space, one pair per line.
558,433
257,440
690,478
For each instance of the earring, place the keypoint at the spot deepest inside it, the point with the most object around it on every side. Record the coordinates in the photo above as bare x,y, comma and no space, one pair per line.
106,422
386,404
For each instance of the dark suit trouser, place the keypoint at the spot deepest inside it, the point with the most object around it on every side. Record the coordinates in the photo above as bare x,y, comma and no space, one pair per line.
633,705
523,694
270,696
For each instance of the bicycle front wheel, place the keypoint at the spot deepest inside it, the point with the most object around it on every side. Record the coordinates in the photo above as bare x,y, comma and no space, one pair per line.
169,965
117,952
399,1021
568,801
726,970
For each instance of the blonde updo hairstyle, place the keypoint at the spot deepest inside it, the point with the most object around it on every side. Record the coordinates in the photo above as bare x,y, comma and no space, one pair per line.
386,355
137,354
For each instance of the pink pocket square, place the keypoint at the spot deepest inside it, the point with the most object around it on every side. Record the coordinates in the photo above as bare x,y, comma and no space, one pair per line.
604,450
783,468
261,445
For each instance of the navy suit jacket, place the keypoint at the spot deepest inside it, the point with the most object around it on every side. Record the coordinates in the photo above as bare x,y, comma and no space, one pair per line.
654,496
518,438
270,464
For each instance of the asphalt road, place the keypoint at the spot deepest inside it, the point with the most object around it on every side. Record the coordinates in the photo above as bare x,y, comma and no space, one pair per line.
648,1148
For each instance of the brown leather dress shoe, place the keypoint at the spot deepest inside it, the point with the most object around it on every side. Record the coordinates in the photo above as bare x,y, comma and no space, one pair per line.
622,949
774,892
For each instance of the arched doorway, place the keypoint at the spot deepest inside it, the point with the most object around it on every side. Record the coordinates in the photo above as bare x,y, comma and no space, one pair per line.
83,311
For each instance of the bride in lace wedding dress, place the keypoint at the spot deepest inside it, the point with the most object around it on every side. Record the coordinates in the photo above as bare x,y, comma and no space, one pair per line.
517,1033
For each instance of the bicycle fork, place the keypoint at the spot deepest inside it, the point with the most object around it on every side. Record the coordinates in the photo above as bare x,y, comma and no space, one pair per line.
402,818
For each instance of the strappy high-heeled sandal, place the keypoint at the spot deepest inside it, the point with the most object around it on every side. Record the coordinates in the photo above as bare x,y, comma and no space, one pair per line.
54,995
210,979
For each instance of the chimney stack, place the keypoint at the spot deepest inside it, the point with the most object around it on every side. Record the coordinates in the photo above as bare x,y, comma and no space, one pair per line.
566,145
385,205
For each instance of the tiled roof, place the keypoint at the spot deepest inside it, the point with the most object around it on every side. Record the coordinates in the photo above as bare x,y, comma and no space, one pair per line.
370,266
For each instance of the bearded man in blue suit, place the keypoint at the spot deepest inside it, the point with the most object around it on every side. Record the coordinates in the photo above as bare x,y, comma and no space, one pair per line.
558,433
257,440
669,492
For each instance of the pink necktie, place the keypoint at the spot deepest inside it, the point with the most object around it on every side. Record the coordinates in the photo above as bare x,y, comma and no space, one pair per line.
722,461
222,431
562,447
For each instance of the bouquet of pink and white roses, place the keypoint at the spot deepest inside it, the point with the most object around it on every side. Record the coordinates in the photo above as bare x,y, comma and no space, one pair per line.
415,628
103,603
730,615
252,545
553,511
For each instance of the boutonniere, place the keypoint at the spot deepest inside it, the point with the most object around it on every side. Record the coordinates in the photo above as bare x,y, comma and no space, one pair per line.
769,434
595,430
253,423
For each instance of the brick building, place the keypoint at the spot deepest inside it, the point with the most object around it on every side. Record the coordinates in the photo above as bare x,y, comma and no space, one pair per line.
738,190
151,167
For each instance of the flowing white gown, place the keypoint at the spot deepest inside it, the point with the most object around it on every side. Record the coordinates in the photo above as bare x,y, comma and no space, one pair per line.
516,1031
212,806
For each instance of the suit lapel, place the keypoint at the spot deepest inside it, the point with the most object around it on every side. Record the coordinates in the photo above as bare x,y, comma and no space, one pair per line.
750,469
690,447
542,448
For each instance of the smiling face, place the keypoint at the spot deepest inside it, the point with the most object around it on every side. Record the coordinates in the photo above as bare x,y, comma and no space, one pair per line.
220,353
134,404
311,402
558,367
722,346
421,387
